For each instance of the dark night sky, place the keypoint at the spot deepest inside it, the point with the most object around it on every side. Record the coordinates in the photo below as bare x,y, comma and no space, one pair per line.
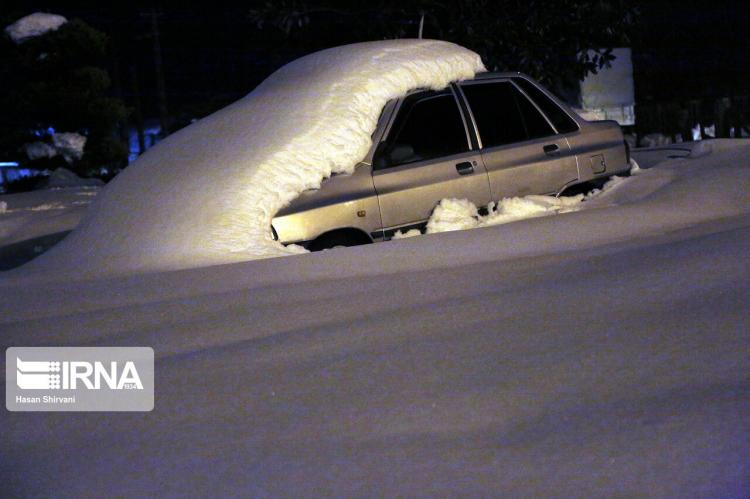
693,48
213,56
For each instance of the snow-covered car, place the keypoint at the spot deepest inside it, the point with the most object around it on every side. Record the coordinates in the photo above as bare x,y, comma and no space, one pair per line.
494,136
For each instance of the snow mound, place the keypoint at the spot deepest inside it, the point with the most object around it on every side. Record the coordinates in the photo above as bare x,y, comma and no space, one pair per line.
635,168
33,25
409,233
207,194
63,178
453,214
511,209
459,214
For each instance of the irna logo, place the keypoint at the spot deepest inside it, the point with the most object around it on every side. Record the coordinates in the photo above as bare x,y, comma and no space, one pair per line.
71,375
79,379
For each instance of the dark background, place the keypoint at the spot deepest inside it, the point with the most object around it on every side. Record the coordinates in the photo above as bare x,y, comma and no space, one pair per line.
214,55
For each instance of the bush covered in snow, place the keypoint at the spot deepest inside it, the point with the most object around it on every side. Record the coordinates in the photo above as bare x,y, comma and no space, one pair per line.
34,25
54,97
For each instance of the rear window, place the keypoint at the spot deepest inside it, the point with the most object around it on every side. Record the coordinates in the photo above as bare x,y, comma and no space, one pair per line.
503,114
536,125
496,112
559,118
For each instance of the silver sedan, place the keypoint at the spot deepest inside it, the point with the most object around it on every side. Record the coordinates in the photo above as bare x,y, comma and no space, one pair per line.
495,136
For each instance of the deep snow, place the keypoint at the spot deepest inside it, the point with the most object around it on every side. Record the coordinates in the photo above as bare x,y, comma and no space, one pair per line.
226,176
596,353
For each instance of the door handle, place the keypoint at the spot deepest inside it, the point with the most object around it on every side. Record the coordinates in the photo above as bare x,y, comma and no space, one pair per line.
465,168
552,150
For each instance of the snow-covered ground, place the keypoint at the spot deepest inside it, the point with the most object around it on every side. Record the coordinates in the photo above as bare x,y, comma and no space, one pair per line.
604,351
31,222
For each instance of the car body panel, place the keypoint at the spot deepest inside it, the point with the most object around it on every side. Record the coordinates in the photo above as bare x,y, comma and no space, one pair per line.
522,169
600,150
409,193
342,202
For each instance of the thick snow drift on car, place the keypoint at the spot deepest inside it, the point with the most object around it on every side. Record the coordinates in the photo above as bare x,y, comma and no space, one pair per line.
206,194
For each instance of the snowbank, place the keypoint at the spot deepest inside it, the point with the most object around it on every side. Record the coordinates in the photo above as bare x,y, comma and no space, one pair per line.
34,25
600,353
207,194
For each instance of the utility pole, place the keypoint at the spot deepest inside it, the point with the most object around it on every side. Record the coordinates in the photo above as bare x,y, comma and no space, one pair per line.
161,94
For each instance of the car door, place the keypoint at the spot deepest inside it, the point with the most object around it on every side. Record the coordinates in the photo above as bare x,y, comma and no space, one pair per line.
426,156
522,151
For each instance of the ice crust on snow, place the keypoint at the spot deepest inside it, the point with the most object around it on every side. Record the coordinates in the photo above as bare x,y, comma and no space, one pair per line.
33,25
207,194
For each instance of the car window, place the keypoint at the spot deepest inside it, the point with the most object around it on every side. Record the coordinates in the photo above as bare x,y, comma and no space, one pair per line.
503,114
428,126
559,118
496,113
536,125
